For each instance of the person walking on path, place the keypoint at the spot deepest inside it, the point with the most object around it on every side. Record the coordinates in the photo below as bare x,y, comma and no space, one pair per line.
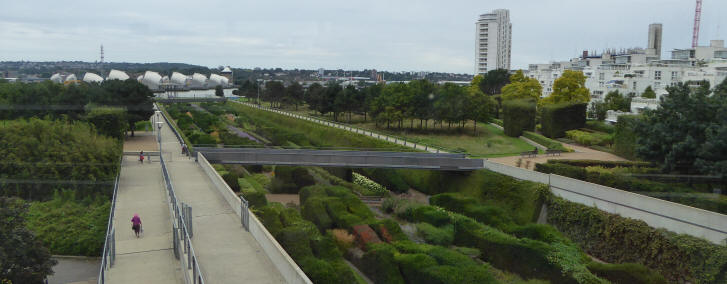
136,224
141,157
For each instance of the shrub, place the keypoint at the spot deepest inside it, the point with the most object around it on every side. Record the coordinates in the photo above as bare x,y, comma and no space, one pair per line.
589,138
612,238
497,121
343,239
388,178
314,209
489,215
605,164
545,141
431,215
600,126
556,119
519,116
270,217
626,273
109,121
255,197
624,140
438,236
231,180
389,230
325,247
414,266
295,240
378,263
322,271
562,169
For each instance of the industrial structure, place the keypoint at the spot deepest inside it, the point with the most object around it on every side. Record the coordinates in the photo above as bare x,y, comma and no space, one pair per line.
493,41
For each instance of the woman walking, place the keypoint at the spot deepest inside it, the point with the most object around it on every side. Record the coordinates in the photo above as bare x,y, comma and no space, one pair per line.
136,224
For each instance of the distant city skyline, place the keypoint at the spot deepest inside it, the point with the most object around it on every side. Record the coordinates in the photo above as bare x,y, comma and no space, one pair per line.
423,36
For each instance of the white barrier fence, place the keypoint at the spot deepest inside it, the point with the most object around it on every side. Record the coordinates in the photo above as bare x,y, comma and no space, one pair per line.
290,271
657,213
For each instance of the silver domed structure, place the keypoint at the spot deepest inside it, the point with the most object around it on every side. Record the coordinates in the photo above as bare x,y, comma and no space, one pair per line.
117,75
198,81
152,80
70,78
56,78
179,79
92,78
217,80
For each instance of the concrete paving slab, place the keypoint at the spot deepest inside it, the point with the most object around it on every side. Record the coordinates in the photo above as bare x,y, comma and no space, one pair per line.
227,253
149,258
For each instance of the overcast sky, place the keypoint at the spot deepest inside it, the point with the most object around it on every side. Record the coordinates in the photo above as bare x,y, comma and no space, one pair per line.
422,35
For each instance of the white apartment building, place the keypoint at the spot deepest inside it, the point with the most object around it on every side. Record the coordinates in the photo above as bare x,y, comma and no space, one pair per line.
493,40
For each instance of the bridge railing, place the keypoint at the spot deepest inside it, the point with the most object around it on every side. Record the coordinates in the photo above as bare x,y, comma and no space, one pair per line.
182,240
386,137
109,248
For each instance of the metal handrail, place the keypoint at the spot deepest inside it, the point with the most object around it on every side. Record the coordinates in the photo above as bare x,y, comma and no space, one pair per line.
395,138
178,223
110,253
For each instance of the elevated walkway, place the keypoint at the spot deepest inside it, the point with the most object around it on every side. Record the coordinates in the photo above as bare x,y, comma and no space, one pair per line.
227,252
333,158
150,258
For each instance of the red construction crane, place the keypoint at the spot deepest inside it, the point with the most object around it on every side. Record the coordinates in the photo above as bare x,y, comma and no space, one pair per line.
697,16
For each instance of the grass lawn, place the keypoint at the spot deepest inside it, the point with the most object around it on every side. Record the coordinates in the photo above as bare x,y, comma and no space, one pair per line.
490,142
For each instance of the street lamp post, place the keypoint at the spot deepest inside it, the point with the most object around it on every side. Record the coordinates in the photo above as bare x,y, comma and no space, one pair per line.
159,135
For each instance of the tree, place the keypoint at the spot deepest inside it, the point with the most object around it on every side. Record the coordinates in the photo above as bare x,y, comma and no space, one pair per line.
648,93
294,94
248,89
132,95
274,92
23,259
109,121
315,97
597,110
493,81
615,101
687,132
479,107
570,87
522,87
219,91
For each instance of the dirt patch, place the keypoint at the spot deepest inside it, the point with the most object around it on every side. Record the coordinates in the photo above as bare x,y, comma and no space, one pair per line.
283,198
142,140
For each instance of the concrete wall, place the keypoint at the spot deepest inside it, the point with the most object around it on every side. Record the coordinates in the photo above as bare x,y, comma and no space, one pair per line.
655,212
280,258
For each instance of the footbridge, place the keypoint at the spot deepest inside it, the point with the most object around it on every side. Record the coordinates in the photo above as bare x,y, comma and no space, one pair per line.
340,158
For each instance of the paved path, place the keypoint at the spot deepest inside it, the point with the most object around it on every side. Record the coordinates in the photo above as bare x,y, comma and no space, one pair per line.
579,153
148,259
226,252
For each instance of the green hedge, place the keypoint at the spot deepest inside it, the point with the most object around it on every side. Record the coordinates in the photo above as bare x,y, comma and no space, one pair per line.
556,119
443,236
624,141
600,126
616,239
317,255
256,198
519,116
589,138
626,273
388,178
545,141
290,179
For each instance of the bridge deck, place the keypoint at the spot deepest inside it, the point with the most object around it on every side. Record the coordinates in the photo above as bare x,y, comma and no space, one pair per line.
227,253
148,259
333,158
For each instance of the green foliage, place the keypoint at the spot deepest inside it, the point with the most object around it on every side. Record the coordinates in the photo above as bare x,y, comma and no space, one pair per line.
624,139
433,235
231,180
378,264
492,82
648,93
545,141
68,226
589,138
615,101
519,116
386,177
24,259
569,88
38,149
109,121
255,197
290,179
626,273
144,125
342,209
600,126
604,164
219,91
687,132
322,271
616,239
314,210
392,229
522,88
558,118
493,216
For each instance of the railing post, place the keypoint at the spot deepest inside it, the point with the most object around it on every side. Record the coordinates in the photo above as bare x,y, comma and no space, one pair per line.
189,254
189,221
175,242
